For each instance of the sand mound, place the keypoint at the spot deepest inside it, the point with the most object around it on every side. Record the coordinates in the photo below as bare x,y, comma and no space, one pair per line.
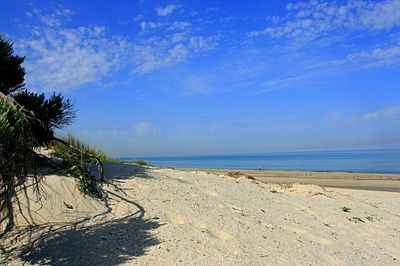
59,201
238,174
306,190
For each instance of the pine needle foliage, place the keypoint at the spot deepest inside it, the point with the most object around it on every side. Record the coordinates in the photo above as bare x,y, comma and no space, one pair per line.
17,159
27,121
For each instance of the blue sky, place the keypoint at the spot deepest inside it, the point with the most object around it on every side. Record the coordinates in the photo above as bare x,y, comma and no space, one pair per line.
192,77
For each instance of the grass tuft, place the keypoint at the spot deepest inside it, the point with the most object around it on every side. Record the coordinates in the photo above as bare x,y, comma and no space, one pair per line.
357,220
141,162
79,163
346,209
64,152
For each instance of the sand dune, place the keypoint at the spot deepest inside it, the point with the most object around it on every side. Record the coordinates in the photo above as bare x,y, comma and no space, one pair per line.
157,216
373,181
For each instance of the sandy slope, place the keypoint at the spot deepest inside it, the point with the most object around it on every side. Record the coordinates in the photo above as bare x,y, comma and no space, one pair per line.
171,217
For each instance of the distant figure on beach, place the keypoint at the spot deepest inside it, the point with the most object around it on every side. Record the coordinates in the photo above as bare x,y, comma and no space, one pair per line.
259,167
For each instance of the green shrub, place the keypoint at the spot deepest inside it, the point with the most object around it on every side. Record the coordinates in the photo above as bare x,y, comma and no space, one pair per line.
27,121
17,159
79,156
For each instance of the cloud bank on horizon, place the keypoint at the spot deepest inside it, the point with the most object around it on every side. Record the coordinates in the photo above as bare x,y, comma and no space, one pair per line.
280,57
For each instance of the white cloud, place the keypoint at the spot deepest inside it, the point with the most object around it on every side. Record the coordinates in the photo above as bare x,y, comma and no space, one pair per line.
148,58
146,128
377,57
158,52
163,11
179,25
64,59
197,84
113,132
389,112
283,83
54,18
169,26
158,47
149,25
384,56
307,21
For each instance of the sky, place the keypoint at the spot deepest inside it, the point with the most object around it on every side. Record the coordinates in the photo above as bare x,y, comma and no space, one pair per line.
154,78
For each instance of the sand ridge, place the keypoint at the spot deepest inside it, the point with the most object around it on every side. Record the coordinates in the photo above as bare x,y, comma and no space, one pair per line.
374,181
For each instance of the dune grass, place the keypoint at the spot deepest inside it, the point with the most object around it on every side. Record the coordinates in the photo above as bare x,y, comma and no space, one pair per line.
141,162
64,152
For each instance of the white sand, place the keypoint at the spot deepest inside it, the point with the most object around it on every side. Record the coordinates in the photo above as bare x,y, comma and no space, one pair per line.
171,217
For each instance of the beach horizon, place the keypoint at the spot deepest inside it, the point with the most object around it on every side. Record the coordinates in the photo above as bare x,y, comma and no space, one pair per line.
385,161
332,179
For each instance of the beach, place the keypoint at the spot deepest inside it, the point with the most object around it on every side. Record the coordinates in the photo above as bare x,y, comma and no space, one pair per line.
368,181
159,216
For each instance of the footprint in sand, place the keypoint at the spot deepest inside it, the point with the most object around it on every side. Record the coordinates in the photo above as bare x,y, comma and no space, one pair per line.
307,235
222,235
199,225
219,234
210,193
177,220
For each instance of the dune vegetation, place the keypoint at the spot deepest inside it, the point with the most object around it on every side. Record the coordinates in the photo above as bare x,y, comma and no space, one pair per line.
28,121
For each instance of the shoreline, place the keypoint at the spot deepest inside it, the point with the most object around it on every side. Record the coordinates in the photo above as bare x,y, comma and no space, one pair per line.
346,180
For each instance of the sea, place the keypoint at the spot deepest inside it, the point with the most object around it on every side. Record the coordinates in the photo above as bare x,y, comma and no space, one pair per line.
368,161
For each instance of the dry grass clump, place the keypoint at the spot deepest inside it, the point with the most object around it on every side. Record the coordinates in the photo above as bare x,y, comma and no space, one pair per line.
238,174
168,167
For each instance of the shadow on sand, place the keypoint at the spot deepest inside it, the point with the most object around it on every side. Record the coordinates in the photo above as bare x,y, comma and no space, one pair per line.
125,171
108,242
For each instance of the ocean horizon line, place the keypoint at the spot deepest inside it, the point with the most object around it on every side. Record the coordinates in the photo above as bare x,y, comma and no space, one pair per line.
216,154
356,160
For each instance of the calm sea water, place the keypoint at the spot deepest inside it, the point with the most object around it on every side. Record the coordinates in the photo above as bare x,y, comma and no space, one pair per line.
374,161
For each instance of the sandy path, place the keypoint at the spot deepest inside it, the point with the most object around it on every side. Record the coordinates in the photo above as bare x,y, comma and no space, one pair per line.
171,217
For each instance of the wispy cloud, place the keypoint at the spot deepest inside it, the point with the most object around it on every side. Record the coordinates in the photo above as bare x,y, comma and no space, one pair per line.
164,11
146,128
150,25
198,84
307,21
63,59
384,56
156,52
113,132
281,83
53,19
389,112
168,26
